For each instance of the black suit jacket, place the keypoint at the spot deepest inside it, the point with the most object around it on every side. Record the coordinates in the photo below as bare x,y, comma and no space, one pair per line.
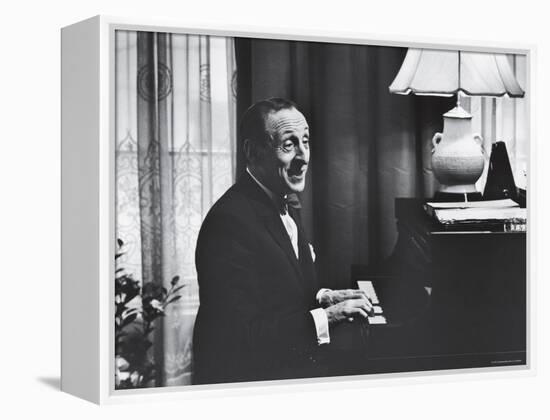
255,295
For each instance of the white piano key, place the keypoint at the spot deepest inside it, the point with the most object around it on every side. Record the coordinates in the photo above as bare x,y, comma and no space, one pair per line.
377,320
368,288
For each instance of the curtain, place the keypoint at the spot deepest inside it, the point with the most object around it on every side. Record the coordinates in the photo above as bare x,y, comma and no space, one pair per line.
367,146
175,134
504,119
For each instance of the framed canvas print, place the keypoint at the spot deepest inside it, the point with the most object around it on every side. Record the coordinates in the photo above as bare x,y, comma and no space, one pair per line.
248,209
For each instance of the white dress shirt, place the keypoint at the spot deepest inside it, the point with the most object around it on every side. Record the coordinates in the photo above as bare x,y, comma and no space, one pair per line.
319,315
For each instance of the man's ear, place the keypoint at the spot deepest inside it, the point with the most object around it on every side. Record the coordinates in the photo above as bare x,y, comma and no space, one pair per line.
248,150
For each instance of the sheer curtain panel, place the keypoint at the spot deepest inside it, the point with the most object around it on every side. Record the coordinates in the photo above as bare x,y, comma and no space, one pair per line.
175,137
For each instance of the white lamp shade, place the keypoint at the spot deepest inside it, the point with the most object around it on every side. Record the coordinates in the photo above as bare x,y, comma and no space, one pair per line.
445,73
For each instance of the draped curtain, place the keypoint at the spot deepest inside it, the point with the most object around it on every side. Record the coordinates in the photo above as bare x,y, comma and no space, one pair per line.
367,146
175,133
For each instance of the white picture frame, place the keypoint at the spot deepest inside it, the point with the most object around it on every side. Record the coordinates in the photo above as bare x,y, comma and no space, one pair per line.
88,211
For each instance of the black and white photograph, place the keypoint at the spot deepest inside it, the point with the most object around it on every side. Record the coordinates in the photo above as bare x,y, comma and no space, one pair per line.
275,210
289,209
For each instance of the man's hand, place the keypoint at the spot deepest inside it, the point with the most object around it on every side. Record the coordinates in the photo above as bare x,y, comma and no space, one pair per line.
348,310
332,297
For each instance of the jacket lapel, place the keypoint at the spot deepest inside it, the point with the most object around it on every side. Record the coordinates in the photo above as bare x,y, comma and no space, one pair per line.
306,261
267,211
277,230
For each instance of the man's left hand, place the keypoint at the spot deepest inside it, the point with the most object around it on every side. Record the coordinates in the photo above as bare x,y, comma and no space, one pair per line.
332,297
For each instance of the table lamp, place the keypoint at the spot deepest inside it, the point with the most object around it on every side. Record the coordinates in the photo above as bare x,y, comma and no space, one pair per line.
458,157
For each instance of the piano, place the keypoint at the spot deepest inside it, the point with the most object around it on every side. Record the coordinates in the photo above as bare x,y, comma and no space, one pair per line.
447,299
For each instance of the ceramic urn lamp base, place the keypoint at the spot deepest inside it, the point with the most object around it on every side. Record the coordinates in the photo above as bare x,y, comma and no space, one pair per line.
458,157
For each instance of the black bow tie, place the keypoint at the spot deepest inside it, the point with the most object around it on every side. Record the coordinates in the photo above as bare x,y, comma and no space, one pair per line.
290,200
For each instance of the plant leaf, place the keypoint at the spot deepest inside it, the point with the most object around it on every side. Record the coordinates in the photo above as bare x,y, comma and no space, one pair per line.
174,299
129,319
131,311
175,280
179,288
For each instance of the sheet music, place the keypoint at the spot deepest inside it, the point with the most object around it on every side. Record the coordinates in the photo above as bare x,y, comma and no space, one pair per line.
473,215
477,212
487,204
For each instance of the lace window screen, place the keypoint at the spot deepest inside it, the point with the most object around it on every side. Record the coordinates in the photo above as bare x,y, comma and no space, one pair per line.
504,119
201,113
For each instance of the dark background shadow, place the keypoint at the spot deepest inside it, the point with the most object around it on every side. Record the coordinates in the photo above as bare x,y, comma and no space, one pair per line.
51,381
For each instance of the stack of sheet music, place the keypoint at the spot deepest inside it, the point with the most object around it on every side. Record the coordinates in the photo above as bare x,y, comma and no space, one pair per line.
506,213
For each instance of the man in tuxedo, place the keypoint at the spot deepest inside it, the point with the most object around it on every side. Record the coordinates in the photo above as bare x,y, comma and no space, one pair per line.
262,314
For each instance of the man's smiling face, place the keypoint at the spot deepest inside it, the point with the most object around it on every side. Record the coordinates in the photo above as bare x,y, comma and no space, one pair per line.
283,169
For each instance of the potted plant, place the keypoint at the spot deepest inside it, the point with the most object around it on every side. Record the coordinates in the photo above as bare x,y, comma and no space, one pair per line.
137,308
